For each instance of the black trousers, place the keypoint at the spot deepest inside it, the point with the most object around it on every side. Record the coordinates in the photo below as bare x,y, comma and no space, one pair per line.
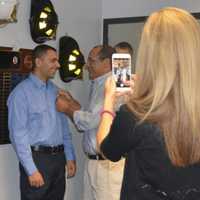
52,168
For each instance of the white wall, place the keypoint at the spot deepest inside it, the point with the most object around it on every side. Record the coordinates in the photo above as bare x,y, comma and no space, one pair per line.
81,20
131,8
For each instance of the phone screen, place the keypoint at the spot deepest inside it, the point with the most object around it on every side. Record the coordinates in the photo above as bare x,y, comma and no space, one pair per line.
121,70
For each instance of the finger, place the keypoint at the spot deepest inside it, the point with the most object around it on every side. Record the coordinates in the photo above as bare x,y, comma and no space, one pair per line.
67,95
41,183
134,77
63,98
31,183
70,174
112,80
61,91
37,184
71,171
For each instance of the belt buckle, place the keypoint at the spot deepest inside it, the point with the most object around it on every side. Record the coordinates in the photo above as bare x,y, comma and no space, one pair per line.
36,148
53,150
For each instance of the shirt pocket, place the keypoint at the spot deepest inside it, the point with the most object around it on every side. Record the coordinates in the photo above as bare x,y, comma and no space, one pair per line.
37,116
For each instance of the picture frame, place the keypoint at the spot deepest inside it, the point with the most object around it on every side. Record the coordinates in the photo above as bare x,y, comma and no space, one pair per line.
127,29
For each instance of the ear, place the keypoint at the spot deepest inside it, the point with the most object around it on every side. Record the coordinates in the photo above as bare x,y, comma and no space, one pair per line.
37,62
107,64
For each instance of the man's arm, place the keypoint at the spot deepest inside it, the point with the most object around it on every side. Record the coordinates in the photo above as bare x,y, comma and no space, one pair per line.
67,104
68,148
84,120
87,120
17,122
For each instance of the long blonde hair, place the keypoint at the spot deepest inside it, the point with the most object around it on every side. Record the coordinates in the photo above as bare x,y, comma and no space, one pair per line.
167,90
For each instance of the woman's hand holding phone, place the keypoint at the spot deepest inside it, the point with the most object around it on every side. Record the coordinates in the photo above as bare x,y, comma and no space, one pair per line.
121,71
112,94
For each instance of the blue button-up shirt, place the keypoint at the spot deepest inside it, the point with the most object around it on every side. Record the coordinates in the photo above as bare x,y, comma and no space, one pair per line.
87,120
34,120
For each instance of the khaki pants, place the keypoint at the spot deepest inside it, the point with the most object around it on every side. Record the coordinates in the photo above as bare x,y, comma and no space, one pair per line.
103,179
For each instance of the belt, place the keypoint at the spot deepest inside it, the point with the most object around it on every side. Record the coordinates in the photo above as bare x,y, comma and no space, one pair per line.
48,149
95,157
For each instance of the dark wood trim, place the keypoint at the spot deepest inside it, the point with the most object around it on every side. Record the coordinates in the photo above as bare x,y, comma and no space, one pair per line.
109,21
196,15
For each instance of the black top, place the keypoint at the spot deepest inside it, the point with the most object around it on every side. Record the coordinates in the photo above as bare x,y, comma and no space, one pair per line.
149,174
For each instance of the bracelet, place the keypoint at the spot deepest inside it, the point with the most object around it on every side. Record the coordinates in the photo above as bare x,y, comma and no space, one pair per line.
108,112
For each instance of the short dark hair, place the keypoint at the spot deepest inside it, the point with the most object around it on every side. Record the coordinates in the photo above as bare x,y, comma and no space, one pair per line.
105,51
125,45
39,51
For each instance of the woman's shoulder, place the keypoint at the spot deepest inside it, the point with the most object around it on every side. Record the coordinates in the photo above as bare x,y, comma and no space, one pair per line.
125,111
125,114
139,127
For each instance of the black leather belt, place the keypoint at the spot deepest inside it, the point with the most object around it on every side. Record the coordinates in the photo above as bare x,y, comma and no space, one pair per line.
48,149
96,157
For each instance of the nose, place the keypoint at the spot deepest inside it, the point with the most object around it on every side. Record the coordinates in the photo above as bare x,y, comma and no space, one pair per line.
58,65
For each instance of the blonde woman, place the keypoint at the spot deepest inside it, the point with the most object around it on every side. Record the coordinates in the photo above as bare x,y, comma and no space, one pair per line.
158,130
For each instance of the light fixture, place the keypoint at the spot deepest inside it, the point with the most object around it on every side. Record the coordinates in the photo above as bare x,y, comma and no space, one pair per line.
71,59
8,10
43,21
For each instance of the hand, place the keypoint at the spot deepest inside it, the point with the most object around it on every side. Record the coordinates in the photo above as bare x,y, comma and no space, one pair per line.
71,168
128,94
36,179
110,88
111,95
65,94
62,103
68,106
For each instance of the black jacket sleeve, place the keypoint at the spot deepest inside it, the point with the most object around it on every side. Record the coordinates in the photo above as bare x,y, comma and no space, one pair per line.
122,137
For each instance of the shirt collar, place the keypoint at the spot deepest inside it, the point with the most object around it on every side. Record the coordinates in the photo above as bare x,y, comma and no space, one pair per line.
38,82
101,79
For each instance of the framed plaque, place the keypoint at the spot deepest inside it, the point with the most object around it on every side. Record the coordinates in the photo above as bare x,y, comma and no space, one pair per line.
9,78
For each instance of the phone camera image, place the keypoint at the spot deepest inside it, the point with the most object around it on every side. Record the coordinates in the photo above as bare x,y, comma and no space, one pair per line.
121,70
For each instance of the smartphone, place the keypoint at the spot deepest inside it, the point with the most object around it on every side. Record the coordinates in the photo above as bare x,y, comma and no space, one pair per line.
121,70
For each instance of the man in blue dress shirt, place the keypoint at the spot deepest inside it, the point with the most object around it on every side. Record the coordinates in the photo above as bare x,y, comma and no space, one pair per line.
39,134
102,178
